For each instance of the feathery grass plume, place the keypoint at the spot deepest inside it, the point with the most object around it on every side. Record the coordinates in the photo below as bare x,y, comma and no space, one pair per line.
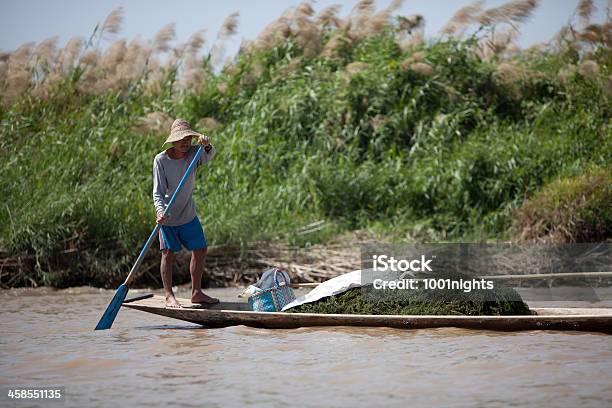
112,23
358,18
337,43
406,64
379,21
305,9
46,51
228,28
462,18
507,72
18,75
107,76
395,5
328,17
192,76
192,79
88,80
516,11
21,56
585,10
596,33
133,64
45,68
113,55
16,84
277,31
590,34
90,58
416,57
512,76
422,69
157,76
70,54
209,124
356,67
153,122
163,38
307,32
230,25
589,69
196,41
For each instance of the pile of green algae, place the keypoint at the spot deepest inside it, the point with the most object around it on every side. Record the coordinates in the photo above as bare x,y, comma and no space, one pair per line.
499,301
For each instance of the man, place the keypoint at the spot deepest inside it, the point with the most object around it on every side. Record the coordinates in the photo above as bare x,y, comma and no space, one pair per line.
182,226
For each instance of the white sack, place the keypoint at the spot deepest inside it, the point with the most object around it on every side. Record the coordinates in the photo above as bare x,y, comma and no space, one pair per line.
331,287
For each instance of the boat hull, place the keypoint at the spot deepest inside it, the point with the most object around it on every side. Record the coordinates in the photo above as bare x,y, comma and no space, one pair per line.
234,314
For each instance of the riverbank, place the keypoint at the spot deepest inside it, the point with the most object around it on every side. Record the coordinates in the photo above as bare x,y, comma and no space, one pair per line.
441,140
226,265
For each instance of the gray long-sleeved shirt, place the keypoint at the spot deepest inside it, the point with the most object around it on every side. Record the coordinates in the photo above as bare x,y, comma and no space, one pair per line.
167,174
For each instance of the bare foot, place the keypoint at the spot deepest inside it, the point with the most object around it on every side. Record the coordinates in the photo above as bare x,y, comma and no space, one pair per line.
172,303
201,297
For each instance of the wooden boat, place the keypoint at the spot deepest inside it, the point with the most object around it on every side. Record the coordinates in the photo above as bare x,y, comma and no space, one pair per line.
226,314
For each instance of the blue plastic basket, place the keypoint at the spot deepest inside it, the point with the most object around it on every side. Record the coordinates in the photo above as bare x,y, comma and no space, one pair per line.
274,298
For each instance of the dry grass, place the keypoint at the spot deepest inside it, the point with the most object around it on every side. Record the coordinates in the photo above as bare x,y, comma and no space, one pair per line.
112,23
514,12
422,69
307,33
585,10
209,124
120,63
154,122
328,17
164,36
589,69
356,67
228,28
462,18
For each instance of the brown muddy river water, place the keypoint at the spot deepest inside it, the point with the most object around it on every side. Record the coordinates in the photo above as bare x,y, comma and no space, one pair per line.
47,339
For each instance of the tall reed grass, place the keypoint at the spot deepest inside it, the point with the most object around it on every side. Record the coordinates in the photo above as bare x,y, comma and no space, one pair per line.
357,120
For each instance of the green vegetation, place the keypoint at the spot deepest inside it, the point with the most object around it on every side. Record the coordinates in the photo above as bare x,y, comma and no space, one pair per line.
500,301
359,128
574,209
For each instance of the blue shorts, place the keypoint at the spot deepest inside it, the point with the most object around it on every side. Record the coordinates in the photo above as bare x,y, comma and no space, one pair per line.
189,235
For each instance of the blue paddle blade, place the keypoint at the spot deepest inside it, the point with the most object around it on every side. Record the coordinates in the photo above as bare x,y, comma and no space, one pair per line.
113,308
